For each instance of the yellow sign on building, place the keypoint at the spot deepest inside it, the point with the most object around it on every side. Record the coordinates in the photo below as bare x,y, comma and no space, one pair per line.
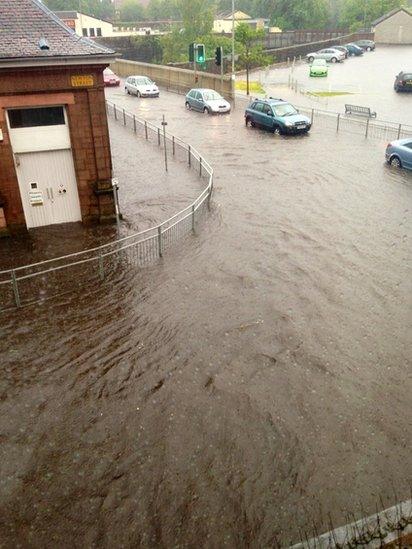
82,80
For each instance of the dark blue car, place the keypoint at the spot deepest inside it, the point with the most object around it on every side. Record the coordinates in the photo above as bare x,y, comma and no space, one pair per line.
276,115
353,49
399,153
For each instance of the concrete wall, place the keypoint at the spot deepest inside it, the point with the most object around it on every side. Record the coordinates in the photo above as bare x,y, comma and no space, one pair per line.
172,78
395,30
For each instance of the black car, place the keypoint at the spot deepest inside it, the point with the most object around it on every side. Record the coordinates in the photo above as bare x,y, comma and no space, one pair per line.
366,45
403,82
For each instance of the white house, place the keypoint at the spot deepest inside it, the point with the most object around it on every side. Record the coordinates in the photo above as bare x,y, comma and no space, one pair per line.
223,21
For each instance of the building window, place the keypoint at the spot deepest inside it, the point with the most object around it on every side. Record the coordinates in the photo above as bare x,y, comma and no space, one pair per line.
91,32
29,118
98,31
84,32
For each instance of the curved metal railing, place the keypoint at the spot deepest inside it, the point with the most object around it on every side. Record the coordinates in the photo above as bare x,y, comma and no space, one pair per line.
44,279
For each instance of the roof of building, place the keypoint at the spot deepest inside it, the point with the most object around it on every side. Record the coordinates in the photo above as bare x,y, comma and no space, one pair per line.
24,22
228,14
66,14
390,14
76,15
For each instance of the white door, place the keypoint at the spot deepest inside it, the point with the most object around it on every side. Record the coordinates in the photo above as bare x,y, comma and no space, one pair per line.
48,187
41,145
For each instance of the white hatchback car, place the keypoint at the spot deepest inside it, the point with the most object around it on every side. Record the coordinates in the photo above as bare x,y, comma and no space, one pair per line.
329,54
141,86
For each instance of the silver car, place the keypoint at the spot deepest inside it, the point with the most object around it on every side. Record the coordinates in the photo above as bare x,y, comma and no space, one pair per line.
207,101
329,54
141,86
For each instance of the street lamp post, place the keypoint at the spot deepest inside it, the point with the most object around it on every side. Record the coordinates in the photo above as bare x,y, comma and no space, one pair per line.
233,50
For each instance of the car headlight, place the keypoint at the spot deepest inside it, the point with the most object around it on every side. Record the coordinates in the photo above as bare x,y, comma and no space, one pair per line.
288,123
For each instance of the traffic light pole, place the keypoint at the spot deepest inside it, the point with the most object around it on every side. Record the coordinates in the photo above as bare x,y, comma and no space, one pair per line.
194,63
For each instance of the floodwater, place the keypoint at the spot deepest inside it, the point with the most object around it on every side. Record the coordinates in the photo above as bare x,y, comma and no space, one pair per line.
254,381
367,79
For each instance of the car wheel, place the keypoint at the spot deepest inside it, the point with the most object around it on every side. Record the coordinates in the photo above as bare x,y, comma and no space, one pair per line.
395,162
311,59
333,59
187,105
127,91
206,110
277,130
368,49
396,89
138,94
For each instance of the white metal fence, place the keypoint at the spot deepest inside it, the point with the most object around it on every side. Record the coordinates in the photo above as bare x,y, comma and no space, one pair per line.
45,279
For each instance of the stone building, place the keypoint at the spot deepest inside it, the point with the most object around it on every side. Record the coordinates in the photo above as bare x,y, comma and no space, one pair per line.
55,159
394,27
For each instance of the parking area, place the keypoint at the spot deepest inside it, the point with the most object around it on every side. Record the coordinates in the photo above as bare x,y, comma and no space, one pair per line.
368,80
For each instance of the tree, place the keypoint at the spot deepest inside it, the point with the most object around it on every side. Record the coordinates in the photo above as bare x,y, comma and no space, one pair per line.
360,13
102,9
132,10
197,17
251,51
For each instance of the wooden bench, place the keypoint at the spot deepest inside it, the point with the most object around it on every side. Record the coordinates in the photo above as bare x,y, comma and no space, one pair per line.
357,109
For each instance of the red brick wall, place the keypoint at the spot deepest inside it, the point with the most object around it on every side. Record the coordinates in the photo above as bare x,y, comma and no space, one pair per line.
88,131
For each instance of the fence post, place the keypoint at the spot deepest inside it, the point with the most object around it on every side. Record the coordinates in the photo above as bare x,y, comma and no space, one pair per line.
173,144
145,129
124,117
193,217
15,289
210,192
159,240
134,123
367,128
101,267
190,159
158,136
311,116
399,131
115,112
200,166
337,125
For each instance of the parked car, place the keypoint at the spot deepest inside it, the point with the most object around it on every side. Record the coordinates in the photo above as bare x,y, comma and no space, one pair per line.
318,68
399,153
207,101
353,49
109,78
343,49
141,86
403,82
366,45
276,115
328,54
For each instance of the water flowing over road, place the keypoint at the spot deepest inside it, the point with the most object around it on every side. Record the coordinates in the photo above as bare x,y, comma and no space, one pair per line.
254,380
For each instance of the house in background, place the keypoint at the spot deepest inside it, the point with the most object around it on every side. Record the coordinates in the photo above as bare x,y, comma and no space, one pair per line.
394,27
85,25
223,21
55,158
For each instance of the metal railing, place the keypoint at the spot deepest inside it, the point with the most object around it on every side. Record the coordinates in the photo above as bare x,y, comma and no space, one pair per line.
45,279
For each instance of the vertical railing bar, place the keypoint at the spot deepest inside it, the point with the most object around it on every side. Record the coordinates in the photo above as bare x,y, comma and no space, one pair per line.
190,159
134,123
338,121
101,267
159,239
145,130
124,117
15,289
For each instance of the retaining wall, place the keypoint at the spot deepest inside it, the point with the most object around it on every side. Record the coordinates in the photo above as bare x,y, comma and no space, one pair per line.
176,79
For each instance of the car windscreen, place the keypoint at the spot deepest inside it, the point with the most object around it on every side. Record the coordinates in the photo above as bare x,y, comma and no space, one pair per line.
211,95
108,71
407,76
284,110
143,81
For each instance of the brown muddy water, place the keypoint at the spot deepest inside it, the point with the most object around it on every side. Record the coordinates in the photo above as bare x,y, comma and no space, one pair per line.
253,381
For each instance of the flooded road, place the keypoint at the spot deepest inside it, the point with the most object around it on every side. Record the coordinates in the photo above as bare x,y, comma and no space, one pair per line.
253,381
